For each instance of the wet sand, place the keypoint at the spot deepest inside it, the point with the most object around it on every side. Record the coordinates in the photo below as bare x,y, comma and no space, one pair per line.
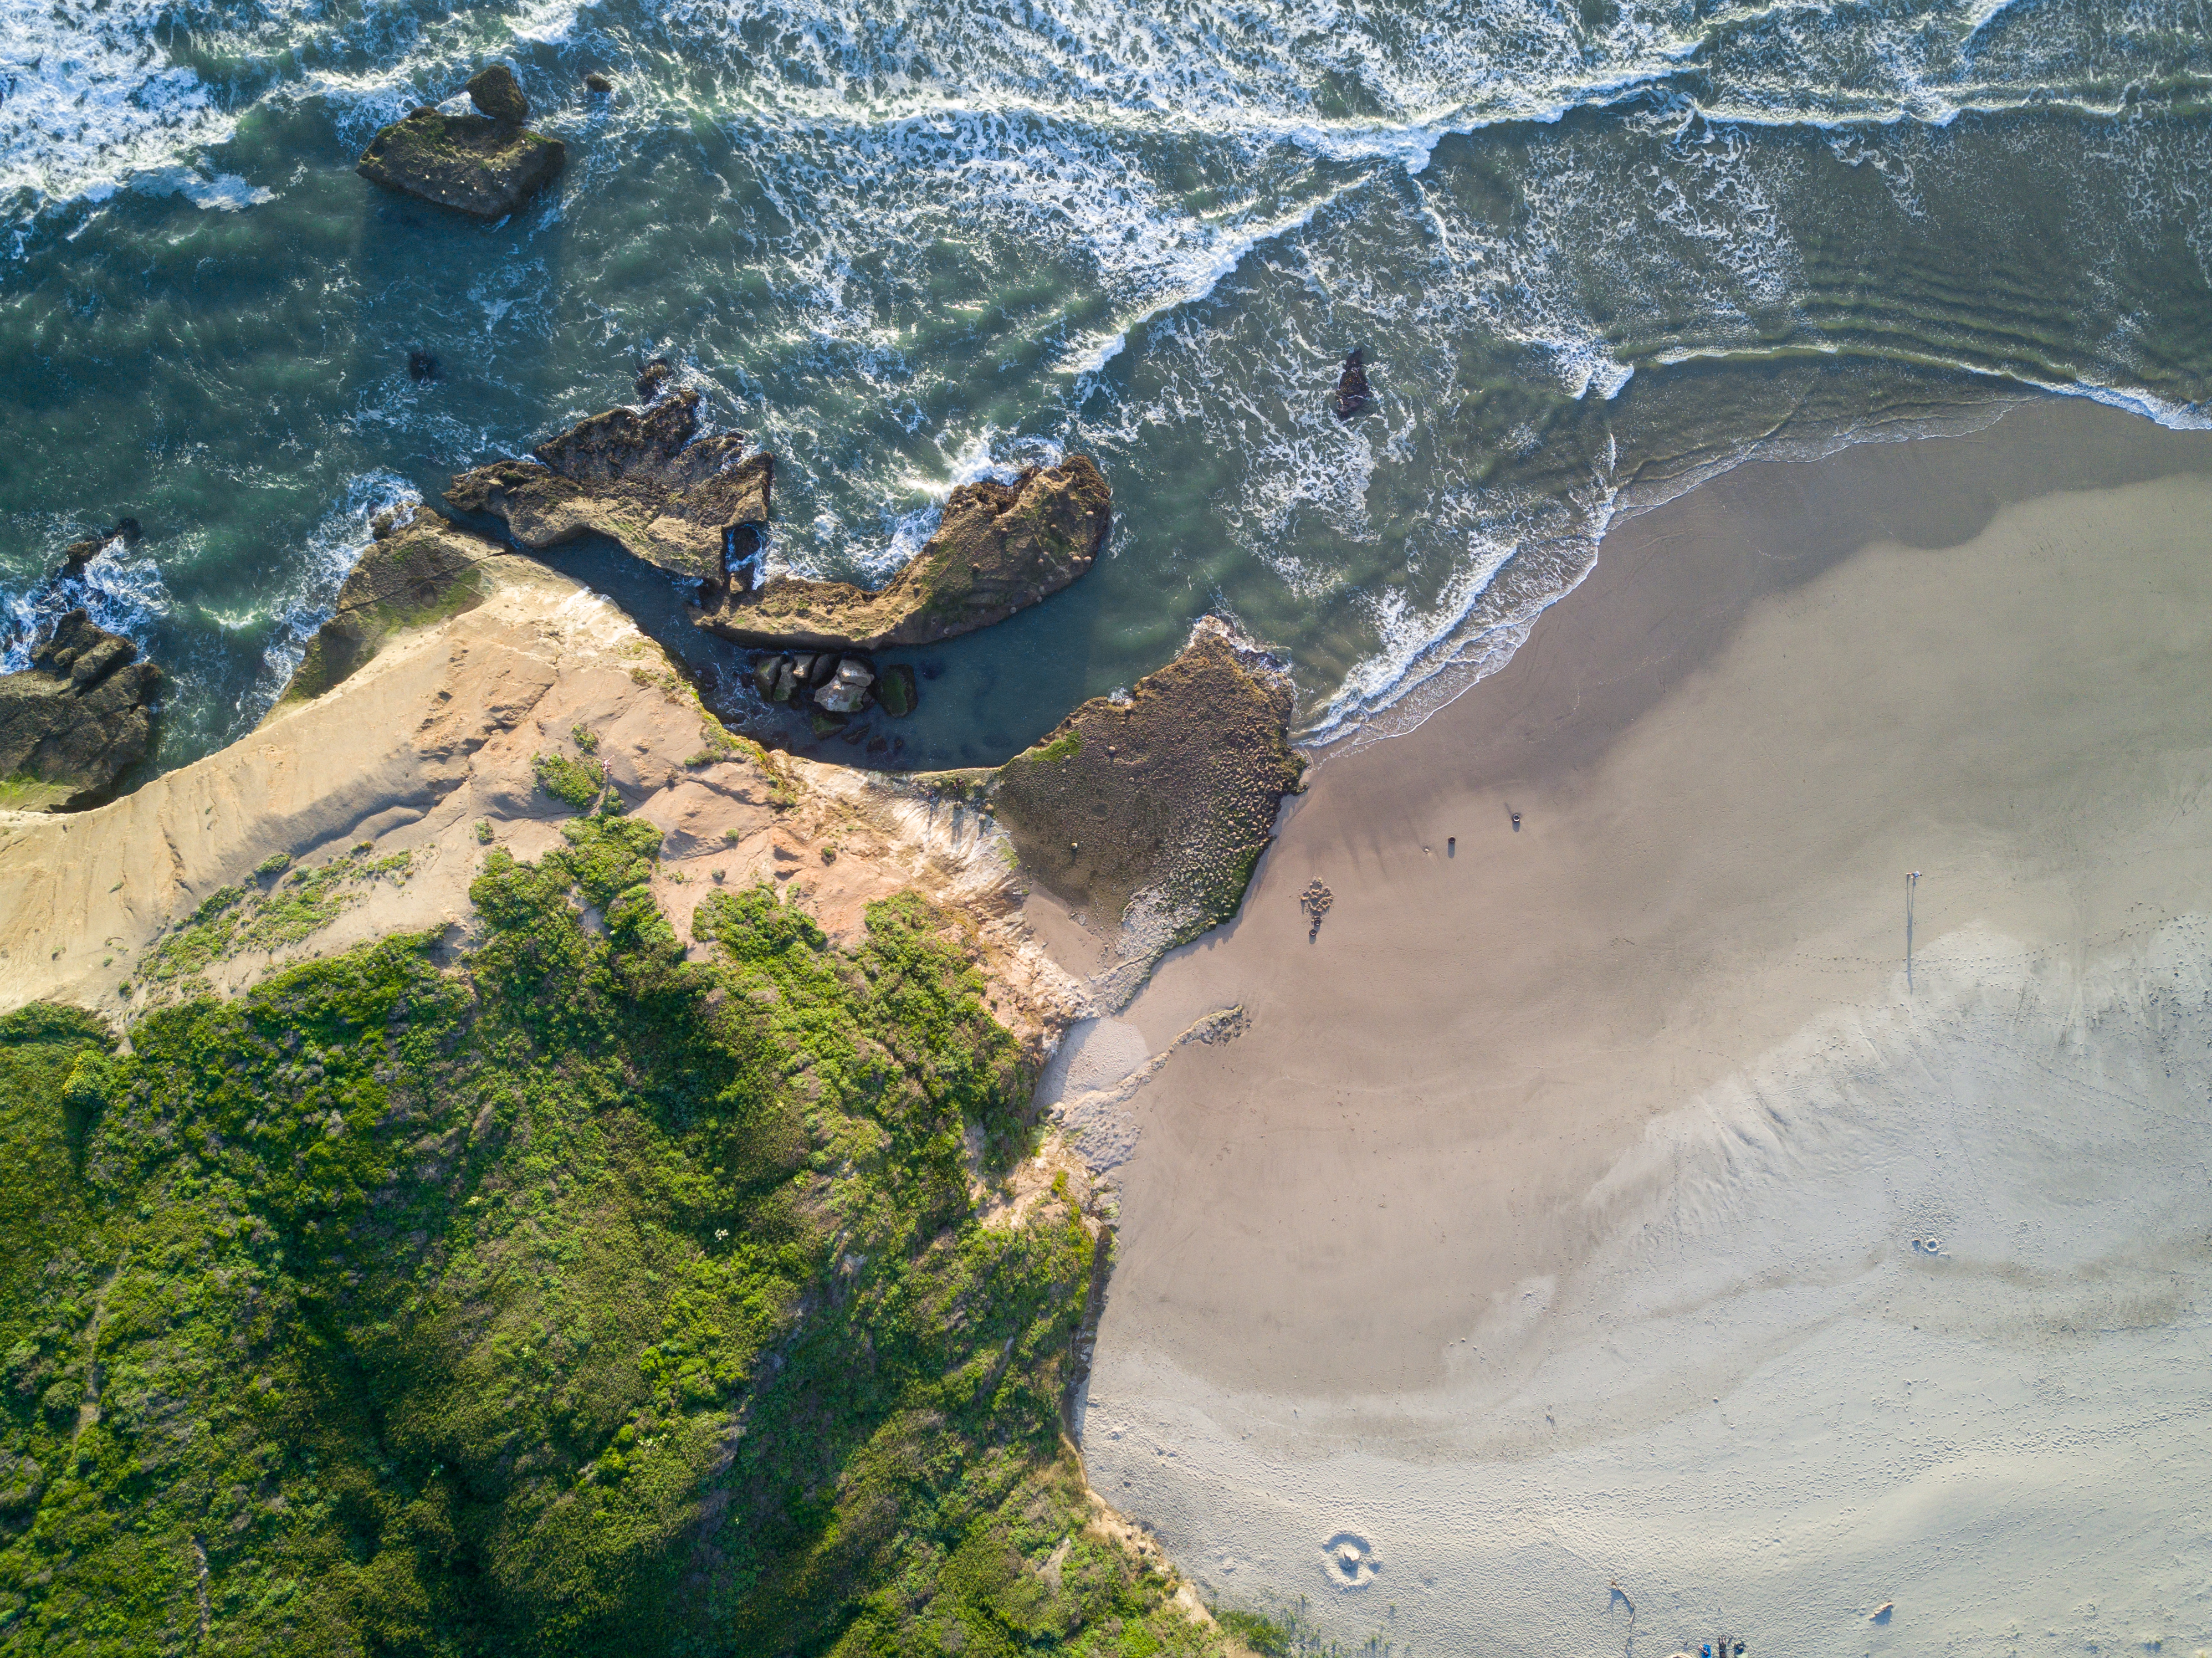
1593,1202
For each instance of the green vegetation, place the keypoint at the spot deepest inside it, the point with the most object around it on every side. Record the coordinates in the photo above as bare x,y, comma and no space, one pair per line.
1064,747
274,864
571,1297
231,922
585,738
578,783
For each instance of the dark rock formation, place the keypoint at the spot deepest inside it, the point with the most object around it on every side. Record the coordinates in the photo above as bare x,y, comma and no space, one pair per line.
496,93
72,720
999,548
1152,812
415,573
488,163
598,84
421,366
653,379
833,682
78,554
645,478
1353,396
896,693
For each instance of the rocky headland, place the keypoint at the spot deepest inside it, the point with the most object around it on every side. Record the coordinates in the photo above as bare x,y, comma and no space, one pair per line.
707,1070
1000,548
695,504
692,504
418,569
486,164
74,719
1145,815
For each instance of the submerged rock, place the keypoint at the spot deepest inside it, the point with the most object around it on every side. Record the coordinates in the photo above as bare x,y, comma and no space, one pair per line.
598,84
999,548
644,478
1353,395
75,719
486,164
1151,812
416,571
896,691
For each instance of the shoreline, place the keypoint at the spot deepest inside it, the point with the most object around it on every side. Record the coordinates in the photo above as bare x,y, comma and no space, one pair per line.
1511,1184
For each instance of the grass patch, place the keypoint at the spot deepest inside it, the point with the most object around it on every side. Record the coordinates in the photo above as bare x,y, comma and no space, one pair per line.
231,922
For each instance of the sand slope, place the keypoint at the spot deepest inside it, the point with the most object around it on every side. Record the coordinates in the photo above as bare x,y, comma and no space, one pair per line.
1553,1221
436,736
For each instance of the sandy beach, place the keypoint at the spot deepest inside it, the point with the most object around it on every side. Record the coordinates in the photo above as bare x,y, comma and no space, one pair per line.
1591,1242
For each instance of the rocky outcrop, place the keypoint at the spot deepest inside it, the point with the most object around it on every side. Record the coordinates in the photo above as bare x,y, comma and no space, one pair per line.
75,719
689,504
1353,395
488,163
1147,815
999,548
417,570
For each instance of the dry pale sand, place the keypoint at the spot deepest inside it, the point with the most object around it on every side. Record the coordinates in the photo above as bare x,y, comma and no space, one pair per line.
1589,1239
428,751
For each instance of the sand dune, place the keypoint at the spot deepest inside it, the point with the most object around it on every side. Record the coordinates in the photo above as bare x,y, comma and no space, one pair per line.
1592,1204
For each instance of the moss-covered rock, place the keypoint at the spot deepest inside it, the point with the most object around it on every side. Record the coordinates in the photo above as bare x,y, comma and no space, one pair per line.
73,719
999,548
1148,814
413,573
644,477
477,164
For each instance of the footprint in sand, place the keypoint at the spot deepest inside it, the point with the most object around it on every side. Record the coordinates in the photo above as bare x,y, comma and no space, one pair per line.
1348,1561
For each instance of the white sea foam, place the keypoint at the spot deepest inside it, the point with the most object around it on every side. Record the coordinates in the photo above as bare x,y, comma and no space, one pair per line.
120,589
295,613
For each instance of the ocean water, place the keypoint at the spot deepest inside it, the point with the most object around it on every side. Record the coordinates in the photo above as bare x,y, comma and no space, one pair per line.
1592,250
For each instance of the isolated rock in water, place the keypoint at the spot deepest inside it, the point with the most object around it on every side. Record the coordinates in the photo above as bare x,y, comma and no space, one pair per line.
1353,396
999,548
644,478
495,93
78,554
72,720
896,691
480,164
847,689
653,379
416,572
1153,811
598,84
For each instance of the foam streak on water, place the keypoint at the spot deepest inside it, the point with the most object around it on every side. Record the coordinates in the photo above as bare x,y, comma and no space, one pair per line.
1589,249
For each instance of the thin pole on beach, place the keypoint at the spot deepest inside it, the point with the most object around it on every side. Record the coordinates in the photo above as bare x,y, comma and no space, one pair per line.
1911,885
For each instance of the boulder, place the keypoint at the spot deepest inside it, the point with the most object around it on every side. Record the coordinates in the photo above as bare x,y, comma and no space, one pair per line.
767,672
646,478
897,692
485,164
417,570
1353,395
496,93
75,719
598,84
999,548
847,691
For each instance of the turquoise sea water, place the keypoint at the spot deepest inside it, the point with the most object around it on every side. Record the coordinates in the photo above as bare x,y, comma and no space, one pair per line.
1590,251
